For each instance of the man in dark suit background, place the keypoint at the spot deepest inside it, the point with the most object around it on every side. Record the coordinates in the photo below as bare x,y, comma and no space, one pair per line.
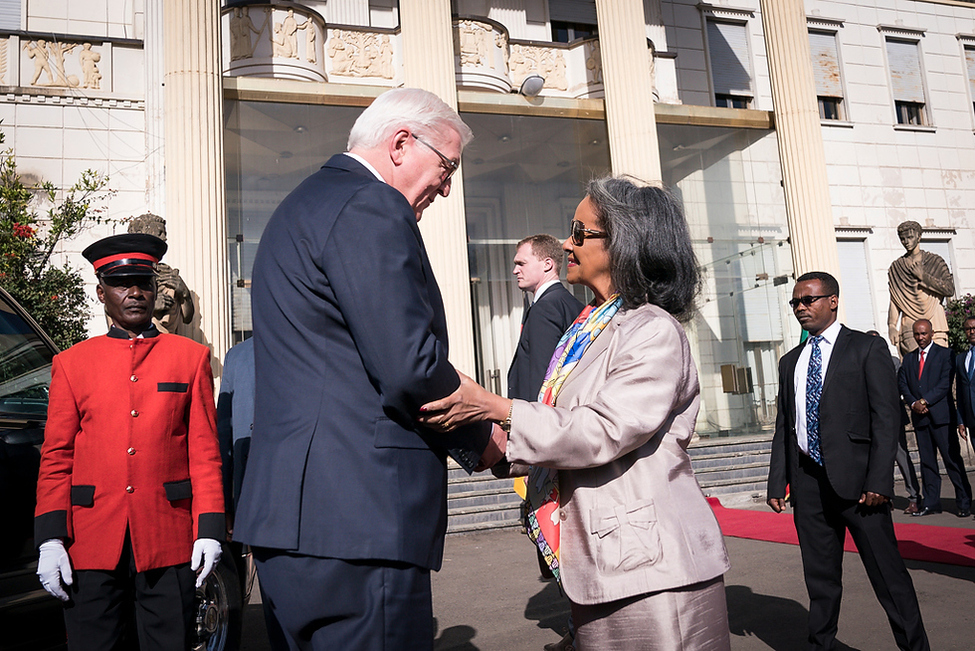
965,388
344,498
924,380
538,262
834,443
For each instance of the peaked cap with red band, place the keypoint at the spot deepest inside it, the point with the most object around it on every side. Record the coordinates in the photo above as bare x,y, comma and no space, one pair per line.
128,254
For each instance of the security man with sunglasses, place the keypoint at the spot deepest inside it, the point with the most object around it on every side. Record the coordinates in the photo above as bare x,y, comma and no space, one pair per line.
130,493
834,445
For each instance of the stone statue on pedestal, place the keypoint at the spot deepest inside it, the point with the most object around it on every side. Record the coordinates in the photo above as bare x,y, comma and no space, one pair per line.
919,282
174,304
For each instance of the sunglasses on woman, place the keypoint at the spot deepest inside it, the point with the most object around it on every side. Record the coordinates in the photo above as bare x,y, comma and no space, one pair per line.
580,233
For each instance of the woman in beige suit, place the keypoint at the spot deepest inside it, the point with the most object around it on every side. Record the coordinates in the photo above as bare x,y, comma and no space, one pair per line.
616,508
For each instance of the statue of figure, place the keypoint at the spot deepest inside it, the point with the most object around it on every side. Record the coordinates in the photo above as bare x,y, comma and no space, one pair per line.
919,281
311,37
279,43
173,301
386,58
38,52
291,28
89,60
340,53
241,28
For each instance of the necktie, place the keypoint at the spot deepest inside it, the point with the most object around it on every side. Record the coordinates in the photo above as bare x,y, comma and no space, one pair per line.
971,364
920,367
527,305
814,391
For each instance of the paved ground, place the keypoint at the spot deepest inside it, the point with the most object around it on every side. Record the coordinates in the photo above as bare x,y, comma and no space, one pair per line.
488,596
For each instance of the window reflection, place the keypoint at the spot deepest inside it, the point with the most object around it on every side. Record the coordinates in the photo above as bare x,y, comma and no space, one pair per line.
522,175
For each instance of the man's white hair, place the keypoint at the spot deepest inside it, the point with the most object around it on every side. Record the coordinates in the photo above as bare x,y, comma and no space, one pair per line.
420,111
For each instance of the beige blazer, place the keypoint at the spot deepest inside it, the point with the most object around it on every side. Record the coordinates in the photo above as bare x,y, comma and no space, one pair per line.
634,519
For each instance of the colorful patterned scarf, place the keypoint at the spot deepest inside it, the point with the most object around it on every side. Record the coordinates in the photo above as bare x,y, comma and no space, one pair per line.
542,484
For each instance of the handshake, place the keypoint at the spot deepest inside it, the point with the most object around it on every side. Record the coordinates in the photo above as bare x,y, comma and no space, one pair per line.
471,403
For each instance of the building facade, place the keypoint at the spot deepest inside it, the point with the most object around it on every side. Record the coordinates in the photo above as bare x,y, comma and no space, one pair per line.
797,134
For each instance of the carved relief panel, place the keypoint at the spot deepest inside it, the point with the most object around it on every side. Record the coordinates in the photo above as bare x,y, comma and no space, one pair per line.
56,64
361,54
481,55
264,40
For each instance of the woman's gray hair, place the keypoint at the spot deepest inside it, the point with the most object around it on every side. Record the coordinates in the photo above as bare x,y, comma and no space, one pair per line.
418,110
651,258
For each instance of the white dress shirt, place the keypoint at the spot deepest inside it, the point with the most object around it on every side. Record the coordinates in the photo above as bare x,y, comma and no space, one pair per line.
799,379
367,165
541,289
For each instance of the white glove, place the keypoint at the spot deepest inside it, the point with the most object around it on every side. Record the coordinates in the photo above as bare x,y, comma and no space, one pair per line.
54,567
206,552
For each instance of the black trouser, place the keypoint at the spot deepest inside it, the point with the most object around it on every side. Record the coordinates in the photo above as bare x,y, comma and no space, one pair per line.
326,604
822,519
930,441
101,607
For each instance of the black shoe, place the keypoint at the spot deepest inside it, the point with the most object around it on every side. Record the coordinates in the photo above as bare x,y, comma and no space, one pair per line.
964,514
927,510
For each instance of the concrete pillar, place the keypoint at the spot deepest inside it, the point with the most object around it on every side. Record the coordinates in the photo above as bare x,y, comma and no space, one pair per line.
428,61
656,32
196,215
628,89
155,98
800,138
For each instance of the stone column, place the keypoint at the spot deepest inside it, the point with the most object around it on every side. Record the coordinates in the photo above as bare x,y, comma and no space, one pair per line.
800,139
428,62
628,89
155,137
196,215
655,24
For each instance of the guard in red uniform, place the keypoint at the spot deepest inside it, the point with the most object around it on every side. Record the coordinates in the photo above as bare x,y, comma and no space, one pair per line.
129,496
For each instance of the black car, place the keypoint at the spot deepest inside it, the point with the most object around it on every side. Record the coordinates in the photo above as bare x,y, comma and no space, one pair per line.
29,617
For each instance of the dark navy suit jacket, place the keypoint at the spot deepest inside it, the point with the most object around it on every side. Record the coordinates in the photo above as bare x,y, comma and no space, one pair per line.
547,320
858,419
934,385
350,339
966,392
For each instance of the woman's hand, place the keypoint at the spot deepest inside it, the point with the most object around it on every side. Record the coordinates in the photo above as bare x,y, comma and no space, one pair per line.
470,403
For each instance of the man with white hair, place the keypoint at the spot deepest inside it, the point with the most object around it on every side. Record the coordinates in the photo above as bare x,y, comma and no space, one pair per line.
344,499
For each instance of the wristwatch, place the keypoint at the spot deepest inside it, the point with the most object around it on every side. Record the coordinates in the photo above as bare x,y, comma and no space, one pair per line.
506,423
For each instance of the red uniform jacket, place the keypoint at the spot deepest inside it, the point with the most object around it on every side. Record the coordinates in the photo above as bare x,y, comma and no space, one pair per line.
130,443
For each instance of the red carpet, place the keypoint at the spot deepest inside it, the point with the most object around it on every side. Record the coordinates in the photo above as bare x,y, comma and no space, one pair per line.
917,542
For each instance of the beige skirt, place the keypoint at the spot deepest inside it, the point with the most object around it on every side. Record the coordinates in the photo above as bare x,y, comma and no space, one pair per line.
692,618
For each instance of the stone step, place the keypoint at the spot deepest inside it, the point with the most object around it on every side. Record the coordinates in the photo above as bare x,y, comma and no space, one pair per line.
495,496
476,518
711,461
732,471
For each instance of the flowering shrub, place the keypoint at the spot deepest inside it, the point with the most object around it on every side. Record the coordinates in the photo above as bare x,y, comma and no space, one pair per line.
53,295
957,310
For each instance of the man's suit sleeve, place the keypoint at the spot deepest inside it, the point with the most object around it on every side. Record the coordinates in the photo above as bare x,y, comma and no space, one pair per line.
225,426
904,383
777,469
942,384
204,455
962,388
884,417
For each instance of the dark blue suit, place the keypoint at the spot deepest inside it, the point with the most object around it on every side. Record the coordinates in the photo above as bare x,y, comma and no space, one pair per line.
933,430
965,389
350,339
544,324
858,439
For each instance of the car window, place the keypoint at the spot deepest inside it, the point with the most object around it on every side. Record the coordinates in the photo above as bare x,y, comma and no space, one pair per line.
25,366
